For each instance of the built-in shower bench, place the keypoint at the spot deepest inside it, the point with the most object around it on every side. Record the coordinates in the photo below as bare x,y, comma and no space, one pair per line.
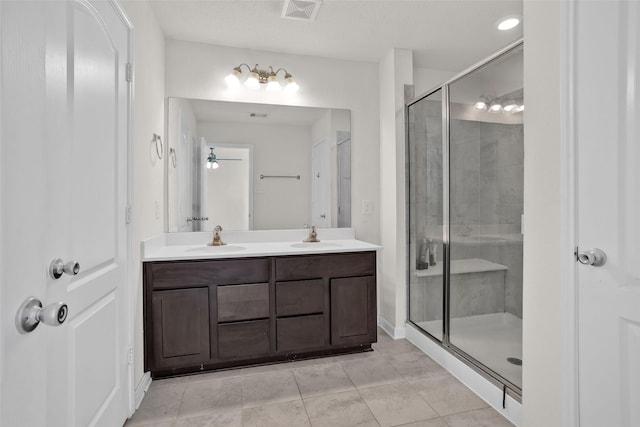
477,287
463,266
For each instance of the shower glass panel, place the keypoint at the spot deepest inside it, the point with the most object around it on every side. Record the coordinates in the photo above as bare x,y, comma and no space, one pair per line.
486,157
426,302
465,160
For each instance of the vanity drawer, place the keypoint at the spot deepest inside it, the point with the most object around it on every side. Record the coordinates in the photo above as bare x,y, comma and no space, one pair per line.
183,274
316,266
243,302
243,339
303,332
300,297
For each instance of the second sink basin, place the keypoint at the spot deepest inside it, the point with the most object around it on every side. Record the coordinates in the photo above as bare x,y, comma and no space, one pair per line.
318,245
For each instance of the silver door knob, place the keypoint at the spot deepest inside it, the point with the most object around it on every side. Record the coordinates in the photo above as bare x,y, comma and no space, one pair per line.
31,313
595,257
59,267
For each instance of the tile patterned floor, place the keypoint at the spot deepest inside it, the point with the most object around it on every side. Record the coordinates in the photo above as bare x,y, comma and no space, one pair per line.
394,385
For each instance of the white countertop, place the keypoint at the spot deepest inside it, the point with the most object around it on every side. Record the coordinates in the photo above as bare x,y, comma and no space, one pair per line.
243,244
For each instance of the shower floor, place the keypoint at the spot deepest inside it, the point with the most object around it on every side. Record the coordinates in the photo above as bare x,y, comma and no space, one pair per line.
489,338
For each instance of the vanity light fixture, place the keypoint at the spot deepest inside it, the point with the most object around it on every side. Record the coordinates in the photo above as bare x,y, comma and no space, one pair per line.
212,160
258,77
506,104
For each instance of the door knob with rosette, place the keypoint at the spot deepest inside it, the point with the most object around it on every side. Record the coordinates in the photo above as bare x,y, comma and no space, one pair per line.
31,313
58,267
595,257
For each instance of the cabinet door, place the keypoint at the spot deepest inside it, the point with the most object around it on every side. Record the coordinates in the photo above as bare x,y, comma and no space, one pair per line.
180,327
243,340
353,308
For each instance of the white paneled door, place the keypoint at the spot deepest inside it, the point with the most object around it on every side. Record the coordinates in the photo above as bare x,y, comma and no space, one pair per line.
607,90
65,130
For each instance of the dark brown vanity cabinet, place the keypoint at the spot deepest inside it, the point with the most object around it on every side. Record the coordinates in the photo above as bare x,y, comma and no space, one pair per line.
210,314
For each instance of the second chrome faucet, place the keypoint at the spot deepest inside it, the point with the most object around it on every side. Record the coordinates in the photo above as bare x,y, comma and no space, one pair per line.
217,240
313,235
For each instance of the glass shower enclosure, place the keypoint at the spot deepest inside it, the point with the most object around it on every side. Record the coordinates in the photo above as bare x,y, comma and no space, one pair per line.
466,155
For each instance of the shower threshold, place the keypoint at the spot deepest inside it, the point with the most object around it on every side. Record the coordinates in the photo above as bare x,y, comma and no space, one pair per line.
491,339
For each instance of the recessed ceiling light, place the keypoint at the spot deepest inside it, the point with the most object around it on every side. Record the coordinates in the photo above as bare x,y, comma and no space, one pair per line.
508,23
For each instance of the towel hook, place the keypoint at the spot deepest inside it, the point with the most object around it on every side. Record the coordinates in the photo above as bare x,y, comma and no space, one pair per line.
172,156
157,140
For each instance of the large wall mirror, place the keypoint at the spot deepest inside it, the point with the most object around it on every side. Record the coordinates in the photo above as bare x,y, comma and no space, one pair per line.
256,166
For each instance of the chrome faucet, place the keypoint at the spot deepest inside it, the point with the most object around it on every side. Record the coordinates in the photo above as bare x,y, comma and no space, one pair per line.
313,235
217,241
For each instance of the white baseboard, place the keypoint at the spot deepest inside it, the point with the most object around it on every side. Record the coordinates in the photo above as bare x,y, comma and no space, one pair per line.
467,375
142,388
392,331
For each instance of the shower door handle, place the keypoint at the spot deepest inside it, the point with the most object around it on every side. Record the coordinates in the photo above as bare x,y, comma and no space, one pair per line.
595,257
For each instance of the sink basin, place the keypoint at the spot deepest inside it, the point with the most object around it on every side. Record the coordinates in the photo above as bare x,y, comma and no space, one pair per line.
217,249
317,245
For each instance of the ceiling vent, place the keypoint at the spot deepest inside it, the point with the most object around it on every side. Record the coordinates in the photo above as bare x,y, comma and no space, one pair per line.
301,10
258,115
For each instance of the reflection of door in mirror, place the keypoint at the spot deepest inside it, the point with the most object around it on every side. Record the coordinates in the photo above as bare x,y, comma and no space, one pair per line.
344,179
320,205
226,196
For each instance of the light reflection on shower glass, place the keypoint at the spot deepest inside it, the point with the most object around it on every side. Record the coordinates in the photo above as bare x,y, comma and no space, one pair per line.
486,207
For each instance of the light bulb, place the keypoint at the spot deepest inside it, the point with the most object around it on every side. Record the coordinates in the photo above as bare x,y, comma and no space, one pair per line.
510,107
480,106
208,165
495,108
272,84
291,85
214,165
233,79
519,109
253,81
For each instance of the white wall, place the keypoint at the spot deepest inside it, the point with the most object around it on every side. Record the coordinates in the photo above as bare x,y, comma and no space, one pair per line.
277,150
426,79
396,70
195,70
148,172
543,371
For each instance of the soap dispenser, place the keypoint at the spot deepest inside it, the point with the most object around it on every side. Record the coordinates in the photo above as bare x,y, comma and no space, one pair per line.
433,253
422,263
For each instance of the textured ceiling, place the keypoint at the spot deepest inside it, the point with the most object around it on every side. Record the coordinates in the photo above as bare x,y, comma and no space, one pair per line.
444,34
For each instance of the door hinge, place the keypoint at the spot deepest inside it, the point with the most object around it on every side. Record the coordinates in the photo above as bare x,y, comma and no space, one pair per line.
130,356
129,72
127,215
